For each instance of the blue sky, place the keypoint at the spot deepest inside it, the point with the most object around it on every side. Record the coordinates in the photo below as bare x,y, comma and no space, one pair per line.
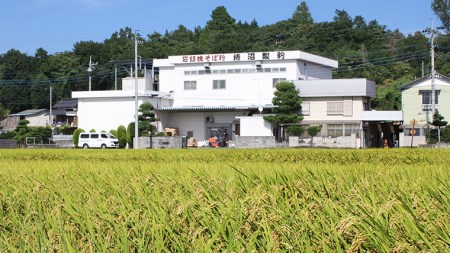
56,25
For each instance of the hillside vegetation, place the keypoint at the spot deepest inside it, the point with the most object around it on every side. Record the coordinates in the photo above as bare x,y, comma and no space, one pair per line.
364,49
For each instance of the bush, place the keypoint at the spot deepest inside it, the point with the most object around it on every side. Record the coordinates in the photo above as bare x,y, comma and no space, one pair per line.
130,134
122,136
113,132
295,130
8,135
76,135
92,131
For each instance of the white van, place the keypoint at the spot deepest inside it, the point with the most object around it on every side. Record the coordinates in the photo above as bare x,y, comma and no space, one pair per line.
97,140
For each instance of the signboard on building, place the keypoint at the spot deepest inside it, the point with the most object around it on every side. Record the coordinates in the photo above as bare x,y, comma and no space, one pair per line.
232,57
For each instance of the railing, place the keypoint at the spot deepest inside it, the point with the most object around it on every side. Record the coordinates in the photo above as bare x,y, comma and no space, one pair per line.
429,108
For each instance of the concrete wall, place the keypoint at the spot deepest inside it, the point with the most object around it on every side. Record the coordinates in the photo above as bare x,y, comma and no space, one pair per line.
160,142
257,142
63,141
324,142
405,141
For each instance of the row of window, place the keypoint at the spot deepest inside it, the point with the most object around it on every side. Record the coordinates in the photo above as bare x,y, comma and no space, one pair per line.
221,84
233,71
333,108
337,130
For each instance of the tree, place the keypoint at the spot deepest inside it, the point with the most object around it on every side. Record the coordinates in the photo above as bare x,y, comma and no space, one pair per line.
438,121
113,132
313,131
76,136
295,130
442,9
221,33
130,134
122,136
21,130
3,112
145,119
287,104
17,69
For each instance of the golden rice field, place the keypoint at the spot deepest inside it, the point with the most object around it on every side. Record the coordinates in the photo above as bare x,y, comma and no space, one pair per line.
225,200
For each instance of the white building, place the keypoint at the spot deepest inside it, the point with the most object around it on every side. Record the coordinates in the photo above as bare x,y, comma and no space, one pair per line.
200,93
36,117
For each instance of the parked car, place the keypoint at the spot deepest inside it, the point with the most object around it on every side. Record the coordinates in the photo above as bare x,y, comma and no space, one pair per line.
98,140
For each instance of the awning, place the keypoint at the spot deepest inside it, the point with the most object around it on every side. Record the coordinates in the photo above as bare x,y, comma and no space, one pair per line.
382,116
213,108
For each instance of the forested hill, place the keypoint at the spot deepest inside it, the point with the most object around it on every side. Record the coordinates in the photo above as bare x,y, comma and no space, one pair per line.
364,49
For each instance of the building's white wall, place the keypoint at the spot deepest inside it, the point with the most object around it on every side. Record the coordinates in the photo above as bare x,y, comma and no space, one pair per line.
192,121
129,83
255,126
107,113
412,102
244,89
38,120
318,109
195,121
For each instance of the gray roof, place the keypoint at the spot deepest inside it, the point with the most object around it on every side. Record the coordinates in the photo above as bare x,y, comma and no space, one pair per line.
66,103
30,112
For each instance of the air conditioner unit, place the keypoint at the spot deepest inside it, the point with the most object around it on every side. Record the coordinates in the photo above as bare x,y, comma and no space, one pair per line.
209,119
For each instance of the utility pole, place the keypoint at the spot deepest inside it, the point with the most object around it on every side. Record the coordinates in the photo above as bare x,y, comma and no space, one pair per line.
136,129
90,69
433,72
51,116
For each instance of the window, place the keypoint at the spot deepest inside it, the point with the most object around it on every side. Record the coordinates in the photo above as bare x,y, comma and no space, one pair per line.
219,84
190,85
216,71
104,136
335,130
338,130
275,81
187,72
305,108
282,69
201,72
351,129
84,136
94,136
335,108
426,97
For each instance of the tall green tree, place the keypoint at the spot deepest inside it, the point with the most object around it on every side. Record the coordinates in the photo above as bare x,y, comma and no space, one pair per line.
287,104
442,9
438,122
145,119
17,70
220,34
